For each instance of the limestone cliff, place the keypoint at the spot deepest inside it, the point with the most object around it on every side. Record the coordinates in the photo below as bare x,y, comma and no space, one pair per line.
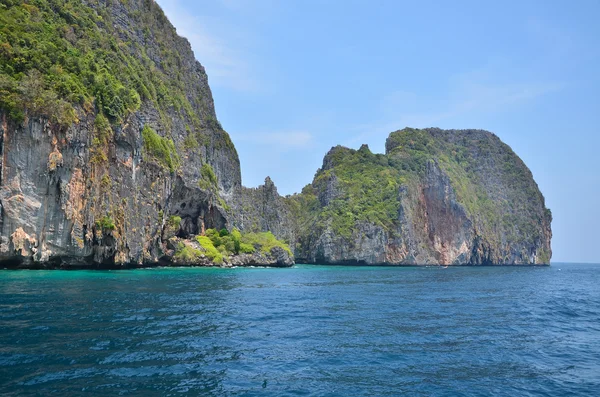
106,139
436,197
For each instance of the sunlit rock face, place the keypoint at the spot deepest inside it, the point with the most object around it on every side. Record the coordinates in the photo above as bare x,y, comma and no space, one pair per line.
83,195
458,197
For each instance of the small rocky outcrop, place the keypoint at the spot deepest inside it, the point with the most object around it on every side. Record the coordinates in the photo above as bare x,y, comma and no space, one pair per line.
215,250
263,209
276,258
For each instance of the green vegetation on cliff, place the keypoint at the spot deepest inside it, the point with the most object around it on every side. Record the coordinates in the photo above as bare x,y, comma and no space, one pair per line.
64,48
245,243
61,57
208,179
265,241
105,223
211,251
219,244
160,148
353,186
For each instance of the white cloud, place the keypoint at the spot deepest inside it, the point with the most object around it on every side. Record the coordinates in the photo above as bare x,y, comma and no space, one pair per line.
474,92
225,64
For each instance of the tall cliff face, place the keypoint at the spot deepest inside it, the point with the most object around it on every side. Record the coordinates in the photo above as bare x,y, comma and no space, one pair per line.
107,129
435,197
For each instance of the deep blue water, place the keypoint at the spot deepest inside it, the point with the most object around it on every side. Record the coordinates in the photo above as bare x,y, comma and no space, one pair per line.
309,330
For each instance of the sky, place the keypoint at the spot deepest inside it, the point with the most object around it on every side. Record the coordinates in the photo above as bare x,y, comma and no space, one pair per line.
290,79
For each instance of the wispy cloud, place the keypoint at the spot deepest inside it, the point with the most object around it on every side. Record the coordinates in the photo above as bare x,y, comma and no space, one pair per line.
281,140
481,90
225,64
474,92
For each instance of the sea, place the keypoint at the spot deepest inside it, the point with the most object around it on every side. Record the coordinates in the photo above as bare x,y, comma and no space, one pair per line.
302,331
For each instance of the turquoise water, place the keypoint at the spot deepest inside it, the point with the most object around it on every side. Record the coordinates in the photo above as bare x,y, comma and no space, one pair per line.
309,330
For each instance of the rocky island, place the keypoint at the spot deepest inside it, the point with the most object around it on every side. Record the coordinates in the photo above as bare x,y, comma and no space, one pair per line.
435,197
112,156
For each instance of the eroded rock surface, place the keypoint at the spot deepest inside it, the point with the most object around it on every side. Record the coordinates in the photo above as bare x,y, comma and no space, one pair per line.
459,197
71,196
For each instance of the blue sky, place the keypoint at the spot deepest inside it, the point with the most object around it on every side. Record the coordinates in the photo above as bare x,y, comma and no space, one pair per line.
291,79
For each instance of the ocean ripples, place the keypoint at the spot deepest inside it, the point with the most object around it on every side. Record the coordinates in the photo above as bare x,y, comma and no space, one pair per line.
304,331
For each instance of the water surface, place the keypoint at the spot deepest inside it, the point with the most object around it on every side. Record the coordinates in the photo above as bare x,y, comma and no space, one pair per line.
309,330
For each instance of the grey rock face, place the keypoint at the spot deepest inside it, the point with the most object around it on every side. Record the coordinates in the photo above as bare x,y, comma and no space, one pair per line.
464,198
262,209
278,257
367,245
62,207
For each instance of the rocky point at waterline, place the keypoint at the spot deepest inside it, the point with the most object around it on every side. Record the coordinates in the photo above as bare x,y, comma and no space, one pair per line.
112,156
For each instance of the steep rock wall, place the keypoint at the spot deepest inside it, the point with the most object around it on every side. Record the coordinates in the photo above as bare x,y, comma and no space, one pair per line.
436,197
80,195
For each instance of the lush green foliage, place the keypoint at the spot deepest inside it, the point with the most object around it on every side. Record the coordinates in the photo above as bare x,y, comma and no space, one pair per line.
410,150
240,247
58,55
246,248
31,95
210,250
246,243
367,190
216,244
208,179
187,254
160,148
105,223
265,241
174,221
225,242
